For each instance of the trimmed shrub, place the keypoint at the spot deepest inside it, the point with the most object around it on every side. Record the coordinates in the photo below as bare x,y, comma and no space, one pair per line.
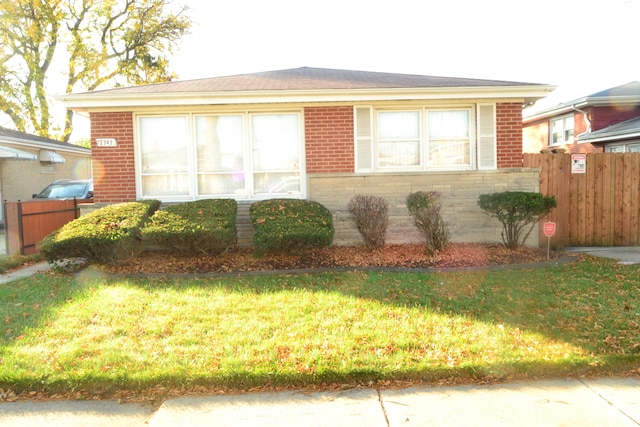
109,235
282,225
516,210
204,226
369,217
425,207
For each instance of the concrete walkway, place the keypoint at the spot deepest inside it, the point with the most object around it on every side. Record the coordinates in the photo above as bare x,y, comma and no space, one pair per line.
613,402
624,254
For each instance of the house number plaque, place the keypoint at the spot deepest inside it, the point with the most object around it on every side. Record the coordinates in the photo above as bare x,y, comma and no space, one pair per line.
106,142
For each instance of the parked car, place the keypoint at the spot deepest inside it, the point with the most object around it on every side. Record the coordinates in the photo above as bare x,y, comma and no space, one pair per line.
67,189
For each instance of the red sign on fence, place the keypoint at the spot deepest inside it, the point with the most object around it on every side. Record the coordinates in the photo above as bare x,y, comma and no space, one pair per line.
549,228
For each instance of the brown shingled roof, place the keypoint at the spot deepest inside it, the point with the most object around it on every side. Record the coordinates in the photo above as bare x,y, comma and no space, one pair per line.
306,78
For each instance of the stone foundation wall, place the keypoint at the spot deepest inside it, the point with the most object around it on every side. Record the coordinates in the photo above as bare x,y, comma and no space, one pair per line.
460,192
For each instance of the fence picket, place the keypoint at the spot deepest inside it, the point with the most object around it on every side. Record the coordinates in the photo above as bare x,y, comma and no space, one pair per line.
599,207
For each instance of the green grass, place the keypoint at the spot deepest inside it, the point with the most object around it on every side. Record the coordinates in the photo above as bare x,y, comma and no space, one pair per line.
10,262
61,333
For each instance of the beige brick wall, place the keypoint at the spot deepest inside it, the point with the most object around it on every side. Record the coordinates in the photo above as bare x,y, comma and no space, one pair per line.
460,191
22,178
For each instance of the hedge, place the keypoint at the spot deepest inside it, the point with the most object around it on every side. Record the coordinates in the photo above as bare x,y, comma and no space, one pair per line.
204,226
282,225
109,235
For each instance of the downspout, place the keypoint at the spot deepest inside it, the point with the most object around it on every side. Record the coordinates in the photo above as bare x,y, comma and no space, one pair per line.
586,119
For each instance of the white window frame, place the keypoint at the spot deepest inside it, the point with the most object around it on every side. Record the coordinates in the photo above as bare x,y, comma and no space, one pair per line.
192,165
564,140
424,139
610,148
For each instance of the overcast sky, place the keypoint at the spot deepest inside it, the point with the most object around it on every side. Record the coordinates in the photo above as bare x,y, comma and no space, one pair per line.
581,46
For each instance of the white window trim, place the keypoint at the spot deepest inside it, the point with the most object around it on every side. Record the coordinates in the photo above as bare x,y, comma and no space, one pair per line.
625,147
247,152
561,118
424,142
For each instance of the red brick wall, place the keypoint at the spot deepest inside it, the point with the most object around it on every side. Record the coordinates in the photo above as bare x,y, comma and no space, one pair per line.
113,167
509,138
329,139
601,117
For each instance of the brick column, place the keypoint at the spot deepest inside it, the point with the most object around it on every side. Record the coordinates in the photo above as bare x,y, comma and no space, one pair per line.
329,139
509,138
113,167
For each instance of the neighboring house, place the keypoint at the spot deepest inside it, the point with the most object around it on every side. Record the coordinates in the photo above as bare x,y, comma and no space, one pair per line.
315,133
586,125
622,137
29,163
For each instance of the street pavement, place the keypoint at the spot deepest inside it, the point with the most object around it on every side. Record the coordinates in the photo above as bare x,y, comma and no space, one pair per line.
586,402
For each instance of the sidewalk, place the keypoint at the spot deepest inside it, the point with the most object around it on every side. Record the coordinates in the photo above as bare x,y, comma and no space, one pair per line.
601,402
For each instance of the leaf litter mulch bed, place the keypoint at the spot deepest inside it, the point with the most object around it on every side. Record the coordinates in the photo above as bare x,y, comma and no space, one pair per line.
390,256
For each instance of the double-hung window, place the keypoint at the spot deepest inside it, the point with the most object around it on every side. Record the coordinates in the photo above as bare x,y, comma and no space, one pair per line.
423,139
242,156
562,130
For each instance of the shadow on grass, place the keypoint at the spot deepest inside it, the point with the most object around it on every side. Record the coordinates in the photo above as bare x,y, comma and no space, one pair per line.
592,305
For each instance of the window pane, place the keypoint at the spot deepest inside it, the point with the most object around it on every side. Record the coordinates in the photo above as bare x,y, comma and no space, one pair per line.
448,124
216,184
165,165
276,183
400,153
450,153
399,125
276,144
276,154
399,139
163,144
449,142
615,149
220,155
633,148
165,185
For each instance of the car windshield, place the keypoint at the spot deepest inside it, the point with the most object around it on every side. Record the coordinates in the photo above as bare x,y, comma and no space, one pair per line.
62,190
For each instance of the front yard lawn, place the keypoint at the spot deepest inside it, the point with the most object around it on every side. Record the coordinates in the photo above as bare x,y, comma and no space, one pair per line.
100,336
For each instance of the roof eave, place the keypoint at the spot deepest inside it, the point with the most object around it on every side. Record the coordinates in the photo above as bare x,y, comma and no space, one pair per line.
88,101
46,145
588,101
611,137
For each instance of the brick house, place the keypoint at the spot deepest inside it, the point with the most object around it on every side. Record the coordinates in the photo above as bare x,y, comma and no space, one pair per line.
28,163
592,124
314,133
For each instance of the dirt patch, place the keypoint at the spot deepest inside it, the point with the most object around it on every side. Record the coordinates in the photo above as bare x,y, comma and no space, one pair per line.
390,256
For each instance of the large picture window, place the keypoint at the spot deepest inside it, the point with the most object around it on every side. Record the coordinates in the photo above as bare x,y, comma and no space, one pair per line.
240,156
165,156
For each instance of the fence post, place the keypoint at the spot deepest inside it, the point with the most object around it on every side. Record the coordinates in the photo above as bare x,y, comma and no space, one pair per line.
4,220
20,230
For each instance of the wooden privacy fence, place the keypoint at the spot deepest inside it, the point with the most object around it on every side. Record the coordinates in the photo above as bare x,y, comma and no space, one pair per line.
27,223
598,205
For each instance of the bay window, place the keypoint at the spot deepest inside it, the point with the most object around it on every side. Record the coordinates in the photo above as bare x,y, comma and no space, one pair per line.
240,156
